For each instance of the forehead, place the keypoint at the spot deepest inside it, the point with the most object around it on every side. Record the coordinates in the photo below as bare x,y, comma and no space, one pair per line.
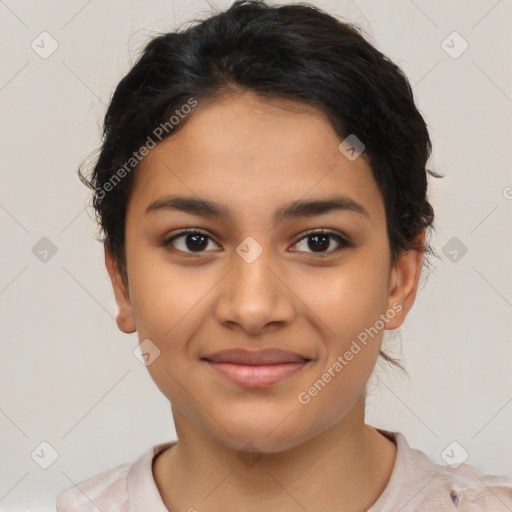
252,153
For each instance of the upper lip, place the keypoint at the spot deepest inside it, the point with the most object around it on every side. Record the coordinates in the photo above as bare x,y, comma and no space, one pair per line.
259,357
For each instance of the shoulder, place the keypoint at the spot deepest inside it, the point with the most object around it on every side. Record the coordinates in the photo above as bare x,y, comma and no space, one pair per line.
417,483
467,488
107,491
129,486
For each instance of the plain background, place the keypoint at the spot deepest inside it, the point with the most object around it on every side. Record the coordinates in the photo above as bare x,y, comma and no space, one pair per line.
69,377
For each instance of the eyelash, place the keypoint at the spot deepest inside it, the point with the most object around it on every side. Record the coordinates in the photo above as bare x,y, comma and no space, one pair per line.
344,243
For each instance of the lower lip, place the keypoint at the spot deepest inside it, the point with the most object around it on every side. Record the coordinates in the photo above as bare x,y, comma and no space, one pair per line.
257,376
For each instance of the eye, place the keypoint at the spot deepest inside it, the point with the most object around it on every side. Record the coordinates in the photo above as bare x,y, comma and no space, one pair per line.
321,240
194,241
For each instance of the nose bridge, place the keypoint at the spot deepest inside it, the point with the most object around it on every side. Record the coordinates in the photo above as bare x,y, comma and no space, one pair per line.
251,267
252,295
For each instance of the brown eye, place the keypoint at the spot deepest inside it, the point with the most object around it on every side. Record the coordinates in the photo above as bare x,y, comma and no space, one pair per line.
320,242
189,241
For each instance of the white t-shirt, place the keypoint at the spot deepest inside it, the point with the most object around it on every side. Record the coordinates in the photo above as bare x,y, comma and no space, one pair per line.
416,485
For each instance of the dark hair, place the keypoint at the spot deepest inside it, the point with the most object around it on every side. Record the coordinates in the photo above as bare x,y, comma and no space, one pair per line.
295,52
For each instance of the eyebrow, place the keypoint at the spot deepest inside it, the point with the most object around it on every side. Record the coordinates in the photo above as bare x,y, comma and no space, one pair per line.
298,208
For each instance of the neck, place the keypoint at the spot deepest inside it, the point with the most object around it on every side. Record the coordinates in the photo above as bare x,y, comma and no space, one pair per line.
348,464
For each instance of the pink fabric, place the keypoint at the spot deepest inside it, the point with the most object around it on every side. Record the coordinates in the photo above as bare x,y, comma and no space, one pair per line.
416,484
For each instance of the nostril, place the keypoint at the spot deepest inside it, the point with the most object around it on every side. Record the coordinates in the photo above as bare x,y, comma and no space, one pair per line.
454,496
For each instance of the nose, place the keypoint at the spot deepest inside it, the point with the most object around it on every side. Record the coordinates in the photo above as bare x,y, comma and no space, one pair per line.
254,297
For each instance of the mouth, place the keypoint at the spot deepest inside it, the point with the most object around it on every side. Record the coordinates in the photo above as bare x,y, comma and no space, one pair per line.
256,369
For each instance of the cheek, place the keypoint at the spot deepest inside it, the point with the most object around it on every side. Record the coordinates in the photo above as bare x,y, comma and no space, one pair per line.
162,295
351,303
349,299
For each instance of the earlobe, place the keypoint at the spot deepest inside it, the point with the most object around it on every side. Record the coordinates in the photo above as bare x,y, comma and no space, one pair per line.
125,319
403,283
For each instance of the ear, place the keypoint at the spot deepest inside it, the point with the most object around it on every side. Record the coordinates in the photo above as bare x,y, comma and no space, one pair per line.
403,283
125,318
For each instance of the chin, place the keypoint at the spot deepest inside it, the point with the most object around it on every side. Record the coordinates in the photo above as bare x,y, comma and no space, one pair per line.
260,432
257,444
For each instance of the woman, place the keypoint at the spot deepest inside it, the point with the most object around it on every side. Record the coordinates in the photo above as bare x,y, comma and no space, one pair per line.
263,193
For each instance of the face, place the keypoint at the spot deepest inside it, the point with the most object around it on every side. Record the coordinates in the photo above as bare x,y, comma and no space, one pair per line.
312,281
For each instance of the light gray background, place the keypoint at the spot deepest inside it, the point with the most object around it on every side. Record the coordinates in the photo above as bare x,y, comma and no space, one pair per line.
69,377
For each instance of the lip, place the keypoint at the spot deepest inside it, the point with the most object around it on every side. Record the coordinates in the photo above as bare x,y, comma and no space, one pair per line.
256,369
268,356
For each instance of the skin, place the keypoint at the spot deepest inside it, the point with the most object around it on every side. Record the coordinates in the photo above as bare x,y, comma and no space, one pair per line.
254,155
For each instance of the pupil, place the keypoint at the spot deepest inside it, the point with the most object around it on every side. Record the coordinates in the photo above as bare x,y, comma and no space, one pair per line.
197,244
321,245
